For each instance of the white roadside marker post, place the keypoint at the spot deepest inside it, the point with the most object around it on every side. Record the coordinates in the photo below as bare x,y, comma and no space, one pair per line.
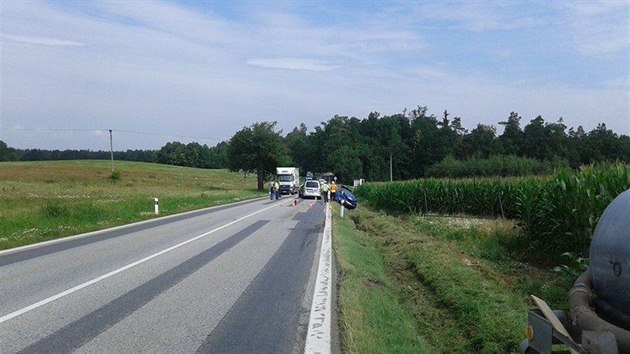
342,207
156,209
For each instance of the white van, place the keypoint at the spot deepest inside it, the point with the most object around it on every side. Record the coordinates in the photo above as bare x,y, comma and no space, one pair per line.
312,190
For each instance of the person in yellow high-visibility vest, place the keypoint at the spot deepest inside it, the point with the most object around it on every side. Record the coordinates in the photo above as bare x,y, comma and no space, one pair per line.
324,189
333,191
276,186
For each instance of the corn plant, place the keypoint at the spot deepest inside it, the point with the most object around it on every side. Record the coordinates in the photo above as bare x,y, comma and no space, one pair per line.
556,213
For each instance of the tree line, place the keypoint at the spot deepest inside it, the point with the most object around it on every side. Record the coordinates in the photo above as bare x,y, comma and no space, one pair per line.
411,142
415,143
173,153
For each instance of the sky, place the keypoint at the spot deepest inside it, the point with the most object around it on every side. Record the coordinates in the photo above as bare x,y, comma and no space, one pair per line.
160,71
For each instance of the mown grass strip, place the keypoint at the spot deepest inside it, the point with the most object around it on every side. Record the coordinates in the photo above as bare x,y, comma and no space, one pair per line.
371,318
462,299
490,317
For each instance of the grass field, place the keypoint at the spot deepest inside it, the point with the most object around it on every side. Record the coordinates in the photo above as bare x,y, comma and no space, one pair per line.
45,200
436,285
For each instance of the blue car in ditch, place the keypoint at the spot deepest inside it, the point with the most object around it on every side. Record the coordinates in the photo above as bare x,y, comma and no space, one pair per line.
345,197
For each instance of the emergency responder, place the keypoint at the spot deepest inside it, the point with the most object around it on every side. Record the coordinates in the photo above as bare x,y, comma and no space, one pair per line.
333,191
276,186
272,190
324,190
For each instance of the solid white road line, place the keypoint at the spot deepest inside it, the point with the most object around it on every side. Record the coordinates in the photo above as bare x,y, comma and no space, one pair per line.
318,336
122,269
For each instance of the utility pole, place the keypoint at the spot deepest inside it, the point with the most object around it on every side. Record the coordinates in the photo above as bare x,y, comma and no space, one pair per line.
111,149
391,170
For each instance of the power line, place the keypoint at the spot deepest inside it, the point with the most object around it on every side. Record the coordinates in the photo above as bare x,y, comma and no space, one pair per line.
53,129
114,130
166,135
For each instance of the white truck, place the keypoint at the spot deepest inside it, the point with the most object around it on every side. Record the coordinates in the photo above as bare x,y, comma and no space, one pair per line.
289,179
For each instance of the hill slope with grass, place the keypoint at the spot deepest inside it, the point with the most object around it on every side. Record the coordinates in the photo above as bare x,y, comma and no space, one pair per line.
46,200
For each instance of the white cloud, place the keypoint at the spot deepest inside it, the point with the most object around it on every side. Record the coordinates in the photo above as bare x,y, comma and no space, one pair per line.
293,64
429,73
599,28
174,20
601,8
51,42
476,16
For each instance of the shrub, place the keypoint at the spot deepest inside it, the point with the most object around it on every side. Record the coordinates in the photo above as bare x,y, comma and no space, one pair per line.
115,176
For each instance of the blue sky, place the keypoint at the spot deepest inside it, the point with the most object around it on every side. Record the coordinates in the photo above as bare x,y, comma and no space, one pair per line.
200,71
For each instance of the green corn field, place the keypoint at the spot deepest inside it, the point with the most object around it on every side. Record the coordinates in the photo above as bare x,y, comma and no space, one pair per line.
556,213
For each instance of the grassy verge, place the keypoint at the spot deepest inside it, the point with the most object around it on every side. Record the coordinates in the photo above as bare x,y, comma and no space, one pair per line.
46,200
461,282
372,319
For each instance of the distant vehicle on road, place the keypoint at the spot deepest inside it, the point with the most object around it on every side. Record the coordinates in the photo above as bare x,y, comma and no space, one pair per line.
326,176
289,179
312,190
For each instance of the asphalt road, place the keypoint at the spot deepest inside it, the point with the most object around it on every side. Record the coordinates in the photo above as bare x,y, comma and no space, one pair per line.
235,279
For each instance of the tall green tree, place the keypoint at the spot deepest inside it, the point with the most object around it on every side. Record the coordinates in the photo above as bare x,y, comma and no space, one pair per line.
534,139
297,142
426,144
457,127
216,155
345,163
545,141
481,143
401,138
258,148
448,137
512,136
605,145
6,154
342,147
373,150
577,150
173,153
